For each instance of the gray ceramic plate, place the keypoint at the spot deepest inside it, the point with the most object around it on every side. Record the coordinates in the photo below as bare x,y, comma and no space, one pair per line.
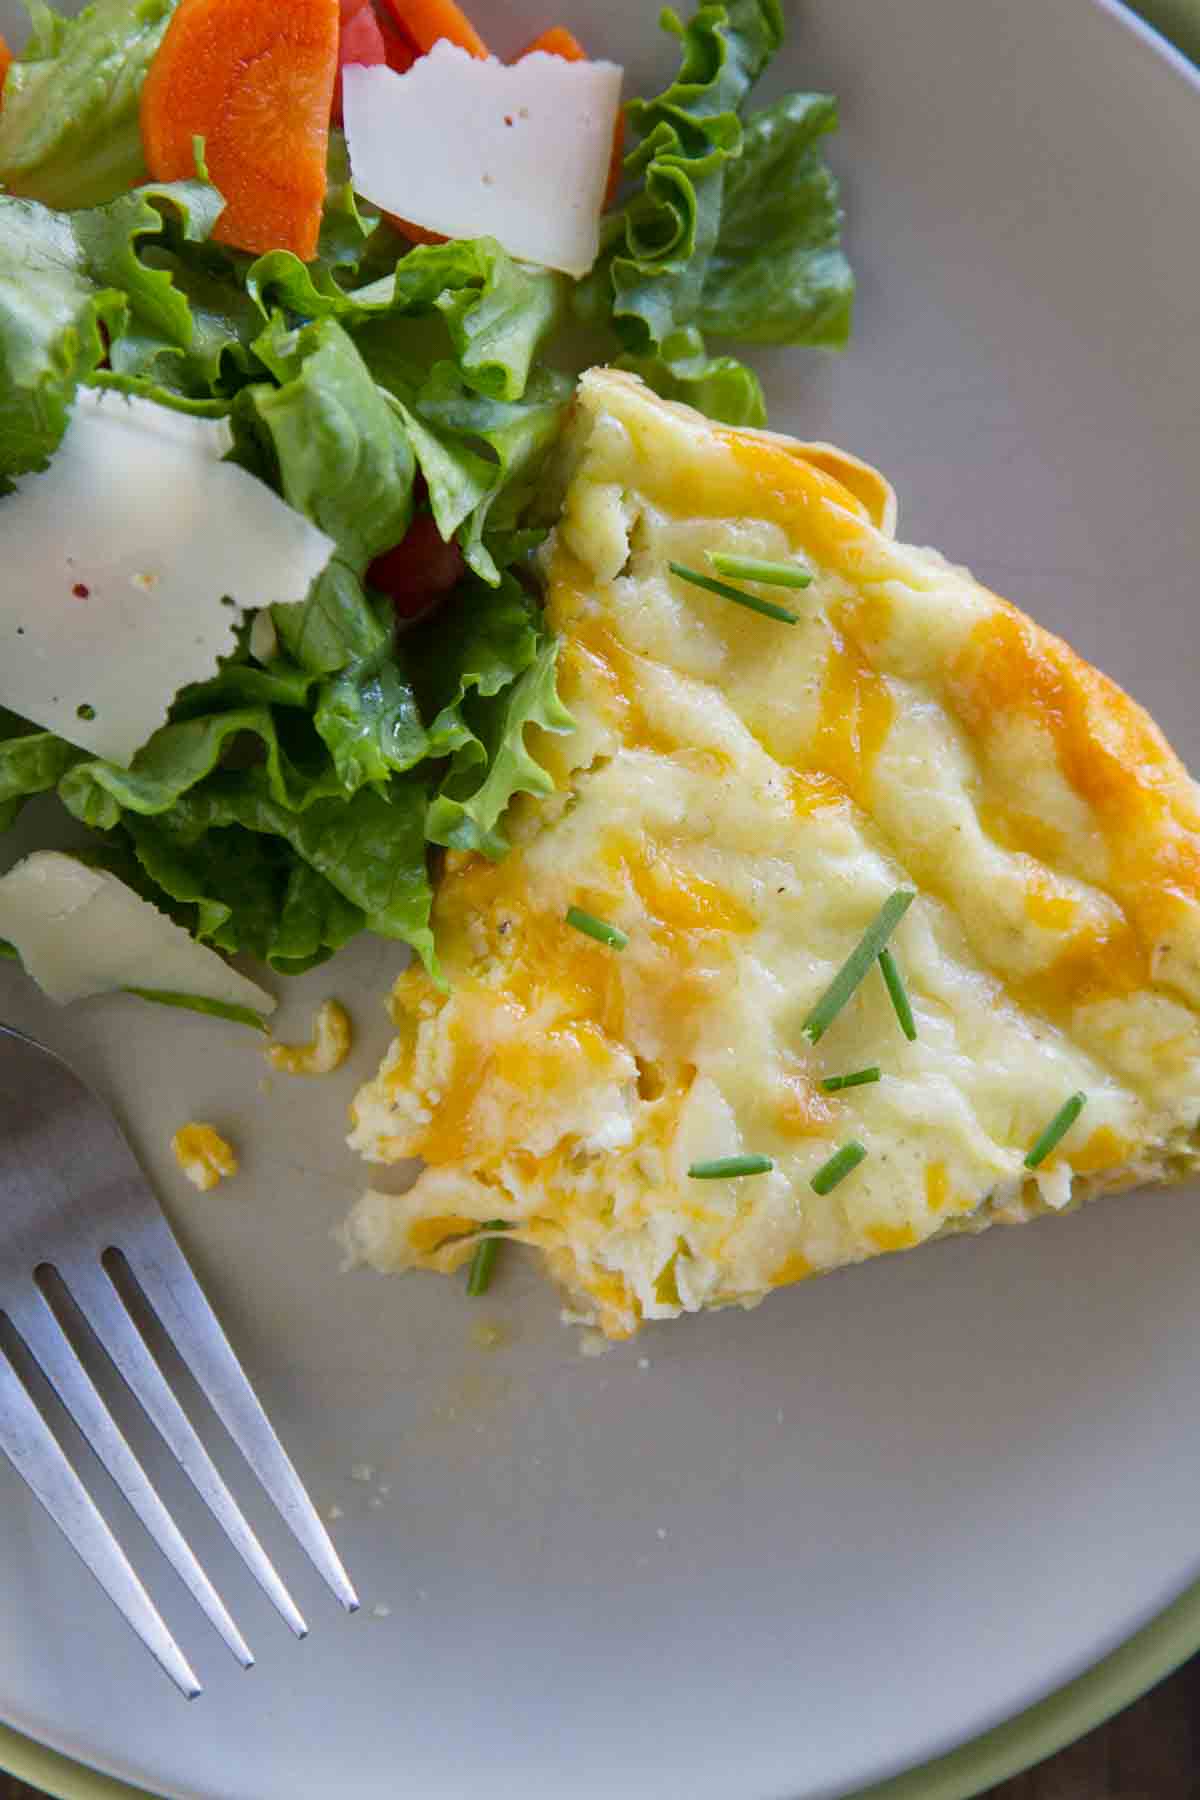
794,1552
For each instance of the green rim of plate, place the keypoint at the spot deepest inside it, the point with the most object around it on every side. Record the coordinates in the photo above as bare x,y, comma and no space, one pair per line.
1145,1659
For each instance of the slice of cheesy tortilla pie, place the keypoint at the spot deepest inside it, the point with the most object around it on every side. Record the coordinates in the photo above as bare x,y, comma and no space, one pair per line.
741,798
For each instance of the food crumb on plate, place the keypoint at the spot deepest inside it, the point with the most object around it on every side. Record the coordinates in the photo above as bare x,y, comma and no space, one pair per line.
362,1472
204,1155
334,1512
593,1343
331,1041
381,1612
643,1362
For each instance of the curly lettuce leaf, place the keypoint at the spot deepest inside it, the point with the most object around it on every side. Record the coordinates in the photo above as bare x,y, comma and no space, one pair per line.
31,762
69,129
216,356
241,891
733,226
516,435
370,847
71,285
227,891
314,921
777,274
651,278
53,320
369,719
347,223
240,684
179,757
495,763
343,459
498,313
721,386
479,645
456,476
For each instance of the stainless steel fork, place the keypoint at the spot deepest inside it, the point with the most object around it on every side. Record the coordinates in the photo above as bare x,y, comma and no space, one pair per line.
73,1199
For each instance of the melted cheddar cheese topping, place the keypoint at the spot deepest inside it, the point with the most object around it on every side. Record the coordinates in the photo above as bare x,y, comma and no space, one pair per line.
740,796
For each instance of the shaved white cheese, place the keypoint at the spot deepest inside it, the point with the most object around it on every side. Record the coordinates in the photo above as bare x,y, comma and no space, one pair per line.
124,563
470,148
80,931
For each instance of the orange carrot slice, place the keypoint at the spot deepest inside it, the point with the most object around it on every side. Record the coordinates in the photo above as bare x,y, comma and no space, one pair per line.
427,21
558,41
6,57
254,79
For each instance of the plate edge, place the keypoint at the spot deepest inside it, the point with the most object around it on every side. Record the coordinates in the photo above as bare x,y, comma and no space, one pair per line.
1172,29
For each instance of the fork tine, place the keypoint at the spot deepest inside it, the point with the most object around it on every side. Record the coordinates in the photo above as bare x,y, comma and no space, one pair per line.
102,1306
39,1326
35,1453
166,1279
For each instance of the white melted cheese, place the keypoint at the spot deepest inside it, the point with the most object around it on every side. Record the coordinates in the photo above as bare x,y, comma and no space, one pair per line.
518,153
80,931
125,563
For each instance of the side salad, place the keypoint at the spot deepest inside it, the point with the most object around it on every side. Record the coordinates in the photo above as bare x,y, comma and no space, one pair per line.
402,395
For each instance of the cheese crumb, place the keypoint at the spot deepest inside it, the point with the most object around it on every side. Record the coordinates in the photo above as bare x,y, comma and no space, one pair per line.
203,1155
332,1038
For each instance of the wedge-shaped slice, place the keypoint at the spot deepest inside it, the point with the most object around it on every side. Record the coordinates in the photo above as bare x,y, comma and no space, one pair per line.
741,798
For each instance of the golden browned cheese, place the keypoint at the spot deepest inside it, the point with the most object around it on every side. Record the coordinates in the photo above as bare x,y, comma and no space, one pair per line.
740,796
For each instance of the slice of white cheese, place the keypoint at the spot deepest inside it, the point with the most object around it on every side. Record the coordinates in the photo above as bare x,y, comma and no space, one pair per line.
521,153
80,931
124,564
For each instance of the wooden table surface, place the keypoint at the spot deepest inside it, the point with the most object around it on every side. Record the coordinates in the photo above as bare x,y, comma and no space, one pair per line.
1149,1752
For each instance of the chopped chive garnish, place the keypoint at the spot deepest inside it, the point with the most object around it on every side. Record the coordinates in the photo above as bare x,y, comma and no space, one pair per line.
858,1078
896,988
857,964
712,586
724,1168
600,929
757,568
484,1260
842,1163
1056,1130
